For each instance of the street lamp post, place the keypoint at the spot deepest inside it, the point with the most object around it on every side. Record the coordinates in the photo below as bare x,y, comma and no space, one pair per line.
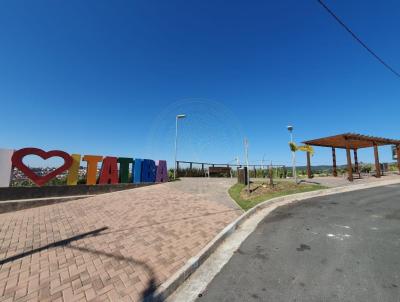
246,150
179,116
290,129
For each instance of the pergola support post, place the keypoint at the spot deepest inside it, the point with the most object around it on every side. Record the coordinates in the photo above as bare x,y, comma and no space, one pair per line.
349,166
377,164
309,174
334,169
398,156
356,161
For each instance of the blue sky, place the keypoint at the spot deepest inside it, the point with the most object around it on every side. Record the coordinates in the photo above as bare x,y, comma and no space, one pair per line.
108,77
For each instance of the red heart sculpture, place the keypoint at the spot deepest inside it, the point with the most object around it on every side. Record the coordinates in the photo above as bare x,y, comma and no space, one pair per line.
40,180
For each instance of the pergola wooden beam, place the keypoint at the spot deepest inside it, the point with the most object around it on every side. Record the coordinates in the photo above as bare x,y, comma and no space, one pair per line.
373,139
355,141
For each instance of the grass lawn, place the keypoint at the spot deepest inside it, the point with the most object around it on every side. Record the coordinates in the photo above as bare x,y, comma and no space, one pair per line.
262,191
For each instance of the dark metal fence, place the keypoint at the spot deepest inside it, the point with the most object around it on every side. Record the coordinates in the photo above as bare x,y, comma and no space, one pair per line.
199,169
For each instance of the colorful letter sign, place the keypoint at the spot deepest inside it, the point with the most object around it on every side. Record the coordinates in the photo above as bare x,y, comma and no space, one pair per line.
109,171
91,171
148,170
162,171
5,167
72,178
113,169
124,169
40,180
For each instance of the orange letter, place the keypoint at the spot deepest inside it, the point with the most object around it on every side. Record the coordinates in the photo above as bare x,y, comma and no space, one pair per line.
91,170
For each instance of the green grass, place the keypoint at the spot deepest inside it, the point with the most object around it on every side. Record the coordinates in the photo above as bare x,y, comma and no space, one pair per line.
248,203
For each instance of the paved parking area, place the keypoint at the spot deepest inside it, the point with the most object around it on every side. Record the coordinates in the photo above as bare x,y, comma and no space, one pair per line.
112,247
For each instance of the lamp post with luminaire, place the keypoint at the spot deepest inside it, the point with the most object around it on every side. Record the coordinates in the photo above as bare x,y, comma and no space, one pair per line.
179,116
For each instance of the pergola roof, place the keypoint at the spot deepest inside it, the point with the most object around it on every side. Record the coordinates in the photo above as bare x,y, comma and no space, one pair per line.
352,140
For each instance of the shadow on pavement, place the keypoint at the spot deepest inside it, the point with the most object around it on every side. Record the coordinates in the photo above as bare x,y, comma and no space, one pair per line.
309,182
63,242
149,294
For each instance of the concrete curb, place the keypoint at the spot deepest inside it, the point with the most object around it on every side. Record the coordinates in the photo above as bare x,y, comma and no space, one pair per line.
169,286
22,204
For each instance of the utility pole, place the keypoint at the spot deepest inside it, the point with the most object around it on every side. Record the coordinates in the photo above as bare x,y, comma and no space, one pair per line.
246,151
179,116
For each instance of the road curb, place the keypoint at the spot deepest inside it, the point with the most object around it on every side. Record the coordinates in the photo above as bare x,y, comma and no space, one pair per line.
170,285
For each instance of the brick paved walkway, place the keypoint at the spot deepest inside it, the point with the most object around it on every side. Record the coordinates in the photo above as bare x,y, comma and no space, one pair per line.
112,247
212,189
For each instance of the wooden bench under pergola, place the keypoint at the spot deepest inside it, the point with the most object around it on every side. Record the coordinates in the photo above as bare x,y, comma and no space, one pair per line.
352,141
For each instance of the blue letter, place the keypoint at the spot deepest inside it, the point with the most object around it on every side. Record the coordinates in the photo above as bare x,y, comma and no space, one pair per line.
148,170
137,171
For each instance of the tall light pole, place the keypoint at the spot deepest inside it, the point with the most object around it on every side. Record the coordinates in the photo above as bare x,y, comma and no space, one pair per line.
179,116
290,129
246,151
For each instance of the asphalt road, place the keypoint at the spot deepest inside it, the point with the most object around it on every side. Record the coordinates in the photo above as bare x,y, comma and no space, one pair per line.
344,247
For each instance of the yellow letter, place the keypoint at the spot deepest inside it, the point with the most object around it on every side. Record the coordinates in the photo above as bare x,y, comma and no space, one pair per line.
72,178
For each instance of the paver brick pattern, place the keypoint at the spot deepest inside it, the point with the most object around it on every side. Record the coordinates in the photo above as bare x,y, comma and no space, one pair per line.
112,247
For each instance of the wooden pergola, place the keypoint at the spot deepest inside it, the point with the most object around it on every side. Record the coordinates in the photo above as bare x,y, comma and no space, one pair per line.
352,141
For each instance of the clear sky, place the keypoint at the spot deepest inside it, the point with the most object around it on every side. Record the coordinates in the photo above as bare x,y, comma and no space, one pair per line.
108,77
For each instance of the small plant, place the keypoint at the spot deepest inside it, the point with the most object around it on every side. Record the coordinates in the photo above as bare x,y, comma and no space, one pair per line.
365,168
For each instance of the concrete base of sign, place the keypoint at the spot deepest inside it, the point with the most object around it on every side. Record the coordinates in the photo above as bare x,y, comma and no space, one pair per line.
16,193
22,204
20,198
